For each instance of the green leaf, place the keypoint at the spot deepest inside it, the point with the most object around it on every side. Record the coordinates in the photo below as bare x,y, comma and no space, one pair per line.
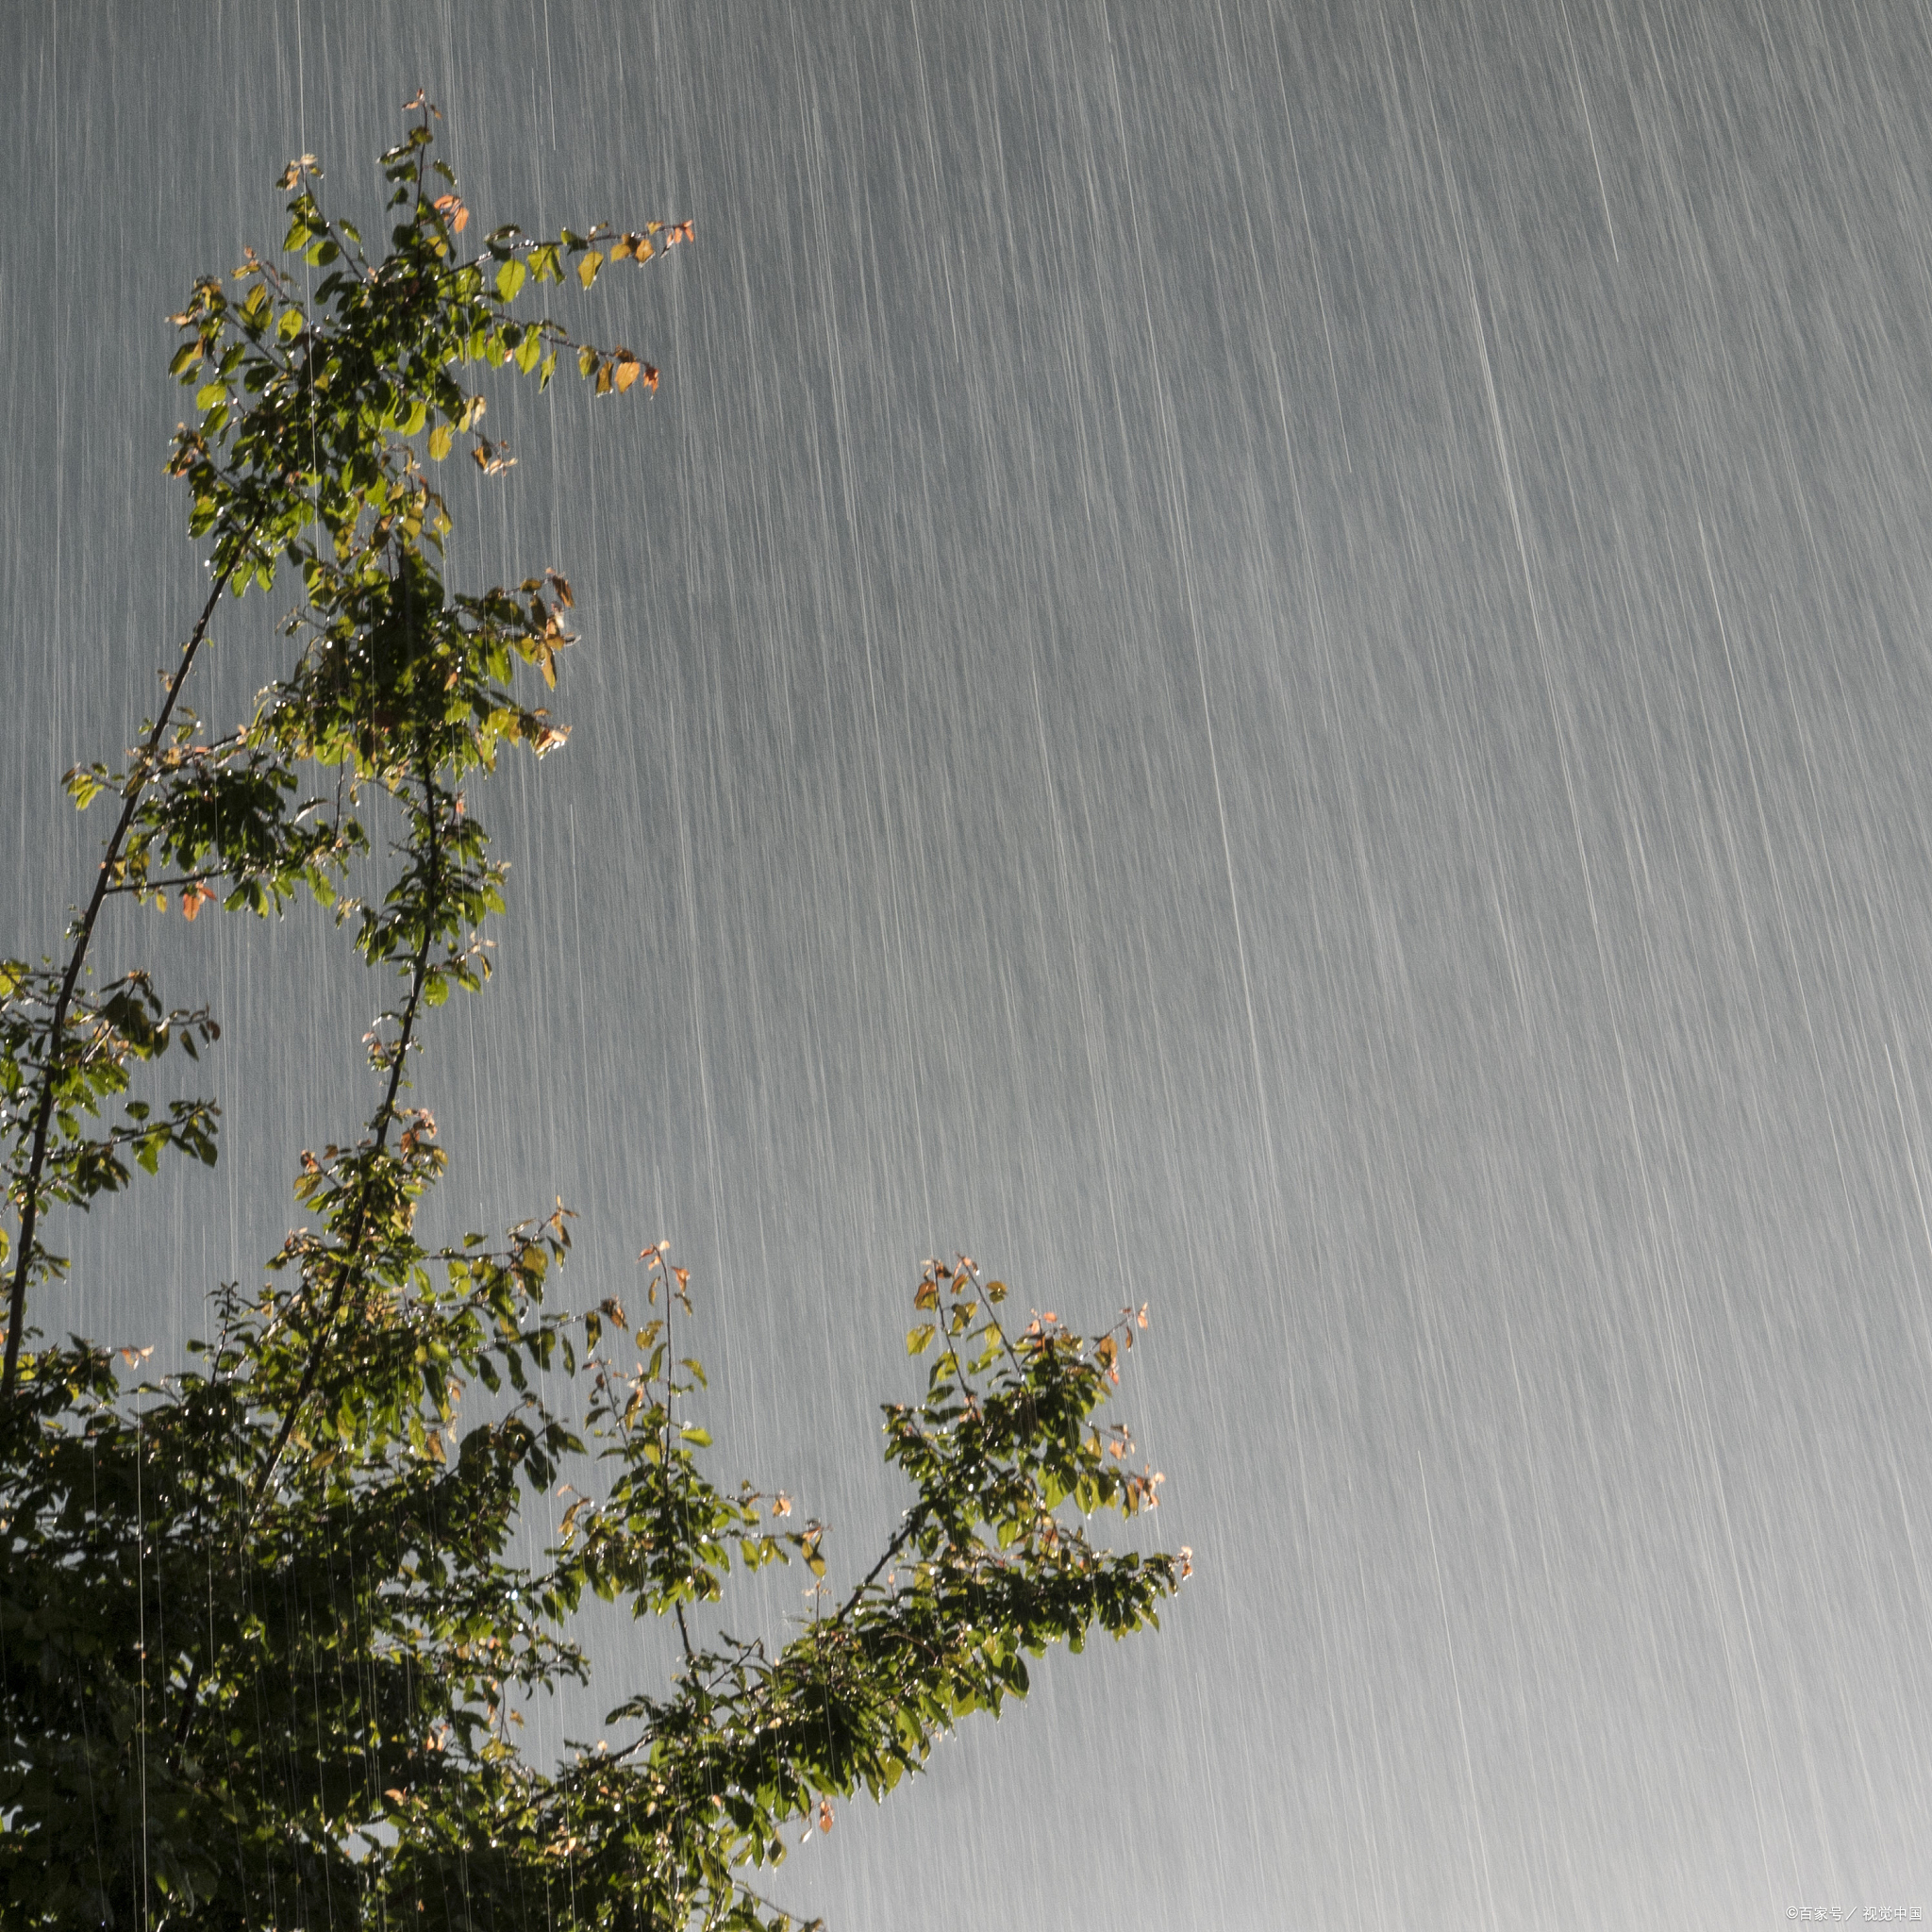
918,1340
694,1434
510,278
442,440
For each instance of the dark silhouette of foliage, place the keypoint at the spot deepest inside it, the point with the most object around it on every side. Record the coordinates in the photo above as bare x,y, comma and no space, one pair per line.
260,1630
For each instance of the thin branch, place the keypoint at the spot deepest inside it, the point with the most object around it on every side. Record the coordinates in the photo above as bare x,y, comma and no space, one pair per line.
915,1518
384,1117
83,935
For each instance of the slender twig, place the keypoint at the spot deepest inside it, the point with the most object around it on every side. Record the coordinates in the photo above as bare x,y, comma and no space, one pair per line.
141,770
384,1117
915,1518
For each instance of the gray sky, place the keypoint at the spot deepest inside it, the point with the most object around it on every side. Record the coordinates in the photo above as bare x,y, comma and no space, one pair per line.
1270,660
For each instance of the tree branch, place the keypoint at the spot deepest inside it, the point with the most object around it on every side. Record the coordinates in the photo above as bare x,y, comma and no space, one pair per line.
384,1116
83,935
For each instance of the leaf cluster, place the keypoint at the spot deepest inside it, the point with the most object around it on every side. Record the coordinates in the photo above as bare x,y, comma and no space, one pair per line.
77,1060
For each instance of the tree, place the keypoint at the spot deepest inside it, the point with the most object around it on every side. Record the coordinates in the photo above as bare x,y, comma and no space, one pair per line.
260,1633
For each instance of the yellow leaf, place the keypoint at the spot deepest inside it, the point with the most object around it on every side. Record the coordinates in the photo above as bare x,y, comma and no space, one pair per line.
587,267
442,439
